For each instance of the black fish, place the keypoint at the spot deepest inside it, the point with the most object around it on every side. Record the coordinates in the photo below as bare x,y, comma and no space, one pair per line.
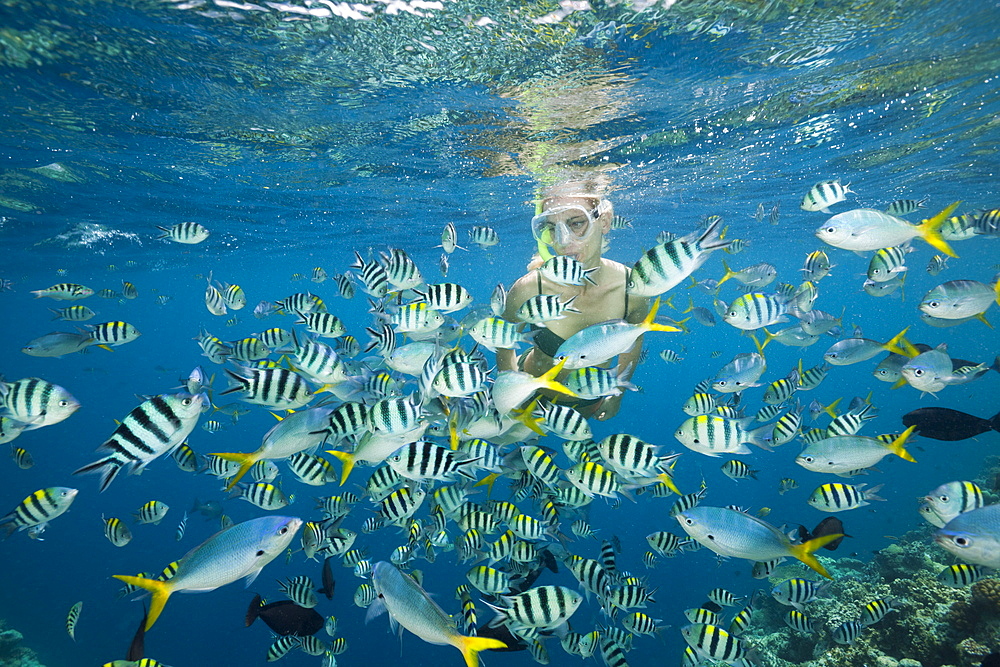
137,650
285,617
329,583
831,525
949,425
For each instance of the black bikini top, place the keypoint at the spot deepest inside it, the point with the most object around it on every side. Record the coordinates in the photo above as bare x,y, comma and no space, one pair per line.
546,340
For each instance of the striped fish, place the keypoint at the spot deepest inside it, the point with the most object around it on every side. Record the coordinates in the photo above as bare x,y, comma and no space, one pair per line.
756,310
847,632
213,299
400,270
250,348
64,292
735,469
961,575
629,456
817,266
323,325
300,590
779,391
456,380
271,387
797,592
423,460
565,422
713,643
234,296
544,308
901,207
301,303
345,284
825,194
116,531
837,497
71,619
449,239
185,458
20,455
566,270
887,263
544,607
489,580
151,512
666,543
483,236
184,232
495,333
310,469
264,495
392,416
36,403
154,428
612,653
281,646
799,622
593,479
73,313
397,507
640,624
374,280
445,297
876,610
668,264
38,509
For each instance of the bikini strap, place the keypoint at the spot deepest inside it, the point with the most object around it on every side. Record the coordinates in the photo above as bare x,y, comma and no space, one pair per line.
628,276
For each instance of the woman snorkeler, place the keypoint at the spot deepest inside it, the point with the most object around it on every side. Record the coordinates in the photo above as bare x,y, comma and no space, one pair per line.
573,222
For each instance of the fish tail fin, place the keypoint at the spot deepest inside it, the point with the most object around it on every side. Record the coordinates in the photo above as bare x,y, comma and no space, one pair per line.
899,345
768,337
348,462
832,408
930,230
649,323
246,462
804,552
668,481
897,445
107,467
548,379
729,273
982,318
471,646
159,590
488,482
527,417
995,422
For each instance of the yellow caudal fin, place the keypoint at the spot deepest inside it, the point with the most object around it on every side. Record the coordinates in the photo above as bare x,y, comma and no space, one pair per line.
488,482
548,379
768,337
982,317
669,482
901,382
649,324
159,590
804,552
471,646
930,230
246,462
527,417
729,273
348,462
899,345
832,408
897,445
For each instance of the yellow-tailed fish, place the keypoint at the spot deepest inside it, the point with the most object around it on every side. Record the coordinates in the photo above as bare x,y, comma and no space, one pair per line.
239,551
412,608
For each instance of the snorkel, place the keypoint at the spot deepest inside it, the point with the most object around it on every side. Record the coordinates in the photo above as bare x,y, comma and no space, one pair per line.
544,250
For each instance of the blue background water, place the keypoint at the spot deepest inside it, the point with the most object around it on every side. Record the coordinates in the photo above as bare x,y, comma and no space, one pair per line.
298,146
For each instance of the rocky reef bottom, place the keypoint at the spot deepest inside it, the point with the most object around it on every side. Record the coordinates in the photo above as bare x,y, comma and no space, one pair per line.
933,625
13,652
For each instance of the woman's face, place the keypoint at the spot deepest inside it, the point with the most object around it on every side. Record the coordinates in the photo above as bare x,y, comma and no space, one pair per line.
580,227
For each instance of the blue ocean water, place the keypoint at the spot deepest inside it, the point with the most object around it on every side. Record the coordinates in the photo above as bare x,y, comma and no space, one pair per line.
300,138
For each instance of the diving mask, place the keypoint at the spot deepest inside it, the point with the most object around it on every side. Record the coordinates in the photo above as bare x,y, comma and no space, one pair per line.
561,225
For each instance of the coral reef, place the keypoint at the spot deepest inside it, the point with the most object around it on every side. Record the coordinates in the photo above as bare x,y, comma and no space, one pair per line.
12,652
932,625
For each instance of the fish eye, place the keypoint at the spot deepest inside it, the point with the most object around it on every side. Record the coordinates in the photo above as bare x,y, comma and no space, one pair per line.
688,521
187,401
933,304
918,371
831,230
63,404
943,499
808,459
961,541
